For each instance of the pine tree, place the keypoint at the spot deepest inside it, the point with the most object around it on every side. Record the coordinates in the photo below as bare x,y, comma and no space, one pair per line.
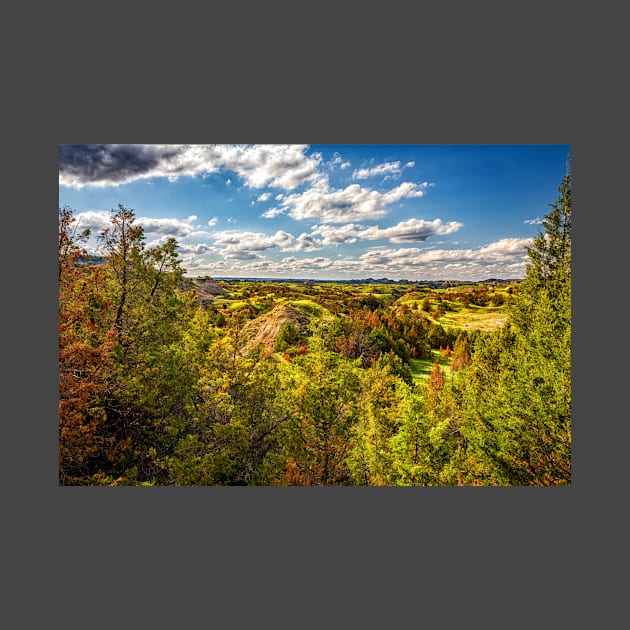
517,394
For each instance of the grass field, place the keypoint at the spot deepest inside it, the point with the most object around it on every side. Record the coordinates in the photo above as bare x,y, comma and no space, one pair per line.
421,368
475,317
308,307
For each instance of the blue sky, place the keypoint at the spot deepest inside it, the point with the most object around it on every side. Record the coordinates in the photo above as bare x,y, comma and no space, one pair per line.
416,212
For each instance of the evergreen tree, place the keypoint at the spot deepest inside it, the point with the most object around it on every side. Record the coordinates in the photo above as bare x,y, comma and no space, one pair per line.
85,366
517,394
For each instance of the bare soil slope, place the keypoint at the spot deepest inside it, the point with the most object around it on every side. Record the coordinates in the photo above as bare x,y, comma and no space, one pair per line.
265,328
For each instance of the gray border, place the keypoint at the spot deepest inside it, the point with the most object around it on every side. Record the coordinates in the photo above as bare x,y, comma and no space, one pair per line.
497,556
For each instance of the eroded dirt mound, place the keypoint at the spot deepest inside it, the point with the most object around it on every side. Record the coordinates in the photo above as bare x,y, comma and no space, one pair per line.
265,329
207,289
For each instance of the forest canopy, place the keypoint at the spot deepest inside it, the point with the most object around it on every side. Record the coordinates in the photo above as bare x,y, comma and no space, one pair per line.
171,380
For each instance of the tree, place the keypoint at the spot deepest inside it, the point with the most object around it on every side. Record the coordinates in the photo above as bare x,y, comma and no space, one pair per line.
436,383
231,436
70,249
123,244
147,315
461,351
323,390
378,417
85,366
516,400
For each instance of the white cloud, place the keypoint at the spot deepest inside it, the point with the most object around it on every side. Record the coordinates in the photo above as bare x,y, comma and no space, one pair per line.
94,220
199,248
507,246
353,203
410,231
234,240
282,166
97,220
304,243
387,169
388,256
213,221
504,258
202,234
241,255
338,161
382,169
273,212
264,197
171,227
536,221
337,234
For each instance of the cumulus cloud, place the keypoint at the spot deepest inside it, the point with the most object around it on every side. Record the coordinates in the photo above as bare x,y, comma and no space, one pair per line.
513,246
337,234
503,252
199,248
319,262
410,231
353,203
170,227
94,220
240,255
282,166
536,221
213,221
388,256
264,197
97,220
504,258
237,241
304,243
115,164
291,266
106,164
273,212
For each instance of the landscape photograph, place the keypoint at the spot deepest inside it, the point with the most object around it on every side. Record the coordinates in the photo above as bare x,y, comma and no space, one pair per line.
314,315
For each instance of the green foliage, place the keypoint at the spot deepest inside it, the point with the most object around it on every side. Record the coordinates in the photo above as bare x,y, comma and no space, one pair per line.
371,458
288,336
515,398
232,433
322,407
158,390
